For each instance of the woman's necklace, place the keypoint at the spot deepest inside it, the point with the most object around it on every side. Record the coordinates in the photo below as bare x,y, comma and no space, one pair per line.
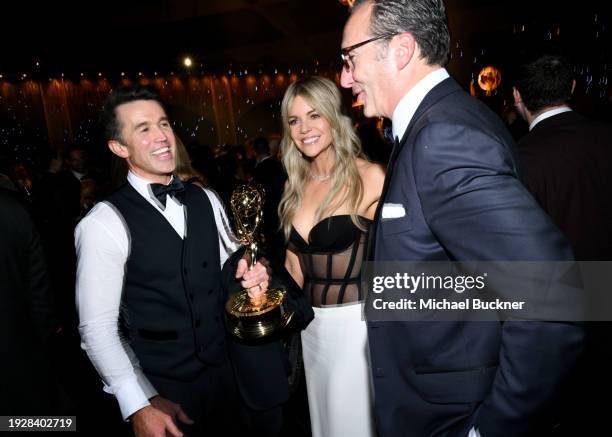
317,177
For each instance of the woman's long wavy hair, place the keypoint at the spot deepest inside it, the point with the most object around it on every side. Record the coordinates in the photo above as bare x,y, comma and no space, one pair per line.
345,183
184,170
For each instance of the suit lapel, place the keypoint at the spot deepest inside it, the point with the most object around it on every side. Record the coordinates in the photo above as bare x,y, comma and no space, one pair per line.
443,89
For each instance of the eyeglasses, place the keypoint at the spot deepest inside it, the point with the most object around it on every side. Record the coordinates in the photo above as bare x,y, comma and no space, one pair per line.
347,62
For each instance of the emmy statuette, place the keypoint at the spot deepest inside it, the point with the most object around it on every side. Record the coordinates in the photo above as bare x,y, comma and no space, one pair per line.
249,319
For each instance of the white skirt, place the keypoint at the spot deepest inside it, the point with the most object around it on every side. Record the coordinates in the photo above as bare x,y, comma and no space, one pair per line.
335,349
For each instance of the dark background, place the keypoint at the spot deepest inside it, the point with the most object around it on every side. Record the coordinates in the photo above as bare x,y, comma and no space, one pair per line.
152,35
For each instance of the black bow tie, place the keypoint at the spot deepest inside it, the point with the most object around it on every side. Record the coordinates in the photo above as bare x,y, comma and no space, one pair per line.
161,191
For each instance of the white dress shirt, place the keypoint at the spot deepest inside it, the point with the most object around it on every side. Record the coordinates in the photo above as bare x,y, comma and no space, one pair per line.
405,109
103,246
547,114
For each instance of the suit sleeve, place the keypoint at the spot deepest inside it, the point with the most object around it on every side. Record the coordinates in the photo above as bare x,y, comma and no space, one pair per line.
478,210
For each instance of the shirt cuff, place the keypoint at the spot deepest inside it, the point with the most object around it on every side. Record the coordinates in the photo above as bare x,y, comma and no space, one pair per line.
134,395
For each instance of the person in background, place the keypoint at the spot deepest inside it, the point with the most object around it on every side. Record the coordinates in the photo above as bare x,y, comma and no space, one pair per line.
269,173
566,158
184,170
28,322
567,163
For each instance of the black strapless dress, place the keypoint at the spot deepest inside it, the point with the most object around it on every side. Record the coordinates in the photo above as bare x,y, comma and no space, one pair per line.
334,344
331,260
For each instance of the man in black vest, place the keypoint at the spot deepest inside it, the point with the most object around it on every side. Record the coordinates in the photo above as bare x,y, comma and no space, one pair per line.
149,282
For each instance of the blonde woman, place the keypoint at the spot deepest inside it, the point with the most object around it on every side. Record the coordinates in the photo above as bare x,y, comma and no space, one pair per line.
327,207
184,170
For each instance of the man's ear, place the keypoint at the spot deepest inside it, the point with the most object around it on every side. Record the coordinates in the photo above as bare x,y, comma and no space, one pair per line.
573,86
517,96
118,149
404,50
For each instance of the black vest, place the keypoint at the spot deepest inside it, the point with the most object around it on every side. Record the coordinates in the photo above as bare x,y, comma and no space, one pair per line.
172,302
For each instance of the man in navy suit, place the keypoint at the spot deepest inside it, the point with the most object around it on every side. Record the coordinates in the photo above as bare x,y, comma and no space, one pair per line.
451,194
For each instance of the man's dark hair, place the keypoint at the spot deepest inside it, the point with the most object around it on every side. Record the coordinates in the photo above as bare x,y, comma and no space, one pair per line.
75,146
108,118
261,146
425,19
544,80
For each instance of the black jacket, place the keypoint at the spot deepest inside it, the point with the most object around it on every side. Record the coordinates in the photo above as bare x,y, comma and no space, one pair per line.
262,369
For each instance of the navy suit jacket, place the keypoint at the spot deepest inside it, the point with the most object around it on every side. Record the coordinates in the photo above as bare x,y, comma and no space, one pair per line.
455,174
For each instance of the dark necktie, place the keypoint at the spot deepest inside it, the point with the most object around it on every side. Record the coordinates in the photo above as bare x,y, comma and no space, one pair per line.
388,134
175,189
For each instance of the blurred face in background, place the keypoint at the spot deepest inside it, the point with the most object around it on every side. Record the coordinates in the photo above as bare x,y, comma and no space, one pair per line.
77,160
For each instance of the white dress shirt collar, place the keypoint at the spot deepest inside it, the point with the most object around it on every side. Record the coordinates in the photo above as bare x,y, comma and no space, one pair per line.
173,212
259,161
547,114
143,187
410,102
77,174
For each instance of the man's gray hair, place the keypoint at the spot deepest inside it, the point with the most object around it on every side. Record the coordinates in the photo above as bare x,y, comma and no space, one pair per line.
425,19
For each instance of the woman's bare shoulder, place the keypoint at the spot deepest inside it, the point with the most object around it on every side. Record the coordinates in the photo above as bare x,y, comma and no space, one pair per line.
371,172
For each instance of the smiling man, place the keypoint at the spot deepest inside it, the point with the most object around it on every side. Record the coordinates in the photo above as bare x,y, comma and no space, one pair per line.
149,278
451,193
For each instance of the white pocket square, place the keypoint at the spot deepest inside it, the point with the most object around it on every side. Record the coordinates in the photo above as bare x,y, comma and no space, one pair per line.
392,211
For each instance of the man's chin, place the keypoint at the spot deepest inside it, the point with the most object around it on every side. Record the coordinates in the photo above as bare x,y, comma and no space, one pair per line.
168,167
369,112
